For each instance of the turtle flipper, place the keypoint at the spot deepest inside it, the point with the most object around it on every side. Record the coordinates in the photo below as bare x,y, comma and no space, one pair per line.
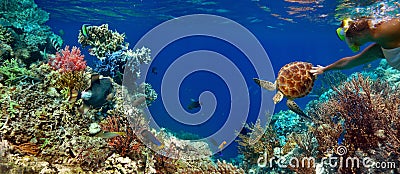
277,97
295,108
265,84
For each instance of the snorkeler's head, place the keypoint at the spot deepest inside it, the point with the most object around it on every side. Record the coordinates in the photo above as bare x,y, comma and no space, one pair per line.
350,31
341,31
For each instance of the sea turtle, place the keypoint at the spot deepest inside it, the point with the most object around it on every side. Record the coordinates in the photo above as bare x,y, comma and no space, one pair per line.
294,80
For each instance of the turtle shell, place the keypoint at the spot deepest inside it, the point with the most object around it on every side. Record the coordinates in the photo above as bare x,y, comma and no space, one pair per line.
295,80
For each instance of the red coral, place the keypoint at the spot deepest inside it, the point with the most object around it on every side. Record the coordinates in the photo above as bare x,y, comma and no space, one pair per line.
127,144
68,61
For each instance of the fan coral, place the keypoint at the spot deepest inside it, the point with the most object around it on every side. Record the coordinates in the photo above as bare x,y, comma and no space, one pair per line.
370,110
68,61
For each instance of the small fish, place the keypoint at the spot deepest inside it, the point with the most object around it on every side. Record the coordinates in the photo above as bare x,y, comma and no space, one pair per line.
154,70
341,137
56,44
222,145
367,66
106,134
84,30
61,32
138,101
148,136
194,104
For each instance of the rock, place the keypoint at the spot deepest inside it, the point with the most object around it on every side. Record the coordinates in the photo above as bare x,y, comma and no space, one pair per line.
94,128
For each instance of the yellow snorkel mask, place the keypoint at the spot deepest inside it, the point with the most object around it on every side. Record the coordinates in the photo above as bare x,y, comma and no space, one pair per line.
341,33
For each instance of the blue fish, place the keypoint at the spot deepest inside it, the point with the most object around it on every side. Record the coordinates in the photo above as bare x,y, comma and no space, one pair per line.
154,70
341,137
194,104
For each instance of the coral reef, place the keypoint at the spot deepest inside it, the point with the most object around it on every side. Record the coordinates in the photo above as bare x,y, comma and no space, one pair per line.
102,40
387,73
12,73
22,28
127,144
368,112
5,35
70,66
6,52
138,57
254,144
42,131
286,122
114,63
68,61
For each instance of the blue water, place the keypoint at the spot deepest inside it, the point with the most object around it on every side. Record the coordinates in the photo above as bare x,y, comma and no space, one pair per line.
285,37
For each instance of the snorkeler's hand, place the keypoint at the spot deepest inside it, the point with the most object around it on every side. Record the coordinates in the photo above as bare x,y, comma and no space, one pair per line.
317,70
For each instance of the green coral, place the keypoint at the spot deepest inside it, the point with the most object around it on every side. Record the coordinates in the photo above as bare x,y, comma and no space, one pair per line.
12,72
26,21
22,14
5,35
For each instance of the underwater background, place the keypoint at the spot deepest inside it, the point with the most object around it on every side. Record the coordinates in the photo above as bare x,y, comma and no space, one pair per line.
43,129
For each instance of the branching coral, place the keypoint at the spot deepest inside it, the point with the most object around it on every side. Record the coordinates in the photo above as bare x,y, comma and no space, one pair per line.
71,66
102,40
258,141
370,110
306,148
26,20
74,80
138,57
114,63
368,107
5,35
68,60
12,72
126,144
6,52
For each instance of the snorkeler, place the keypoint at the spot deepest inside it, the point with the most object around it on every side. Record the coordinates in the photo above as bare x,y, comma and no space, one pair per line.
384,34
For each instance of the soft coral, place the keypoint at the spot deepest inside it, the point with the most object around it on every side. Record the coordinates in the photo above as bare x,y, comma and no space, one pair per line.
68,61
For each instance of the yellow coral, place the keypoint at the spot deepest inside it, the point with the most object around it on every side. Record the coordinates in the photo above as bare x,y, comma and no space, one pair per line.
74,80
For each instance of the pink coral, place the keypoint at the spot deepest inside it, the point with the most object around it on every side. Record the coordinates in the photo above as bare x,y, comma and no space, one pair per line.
68,61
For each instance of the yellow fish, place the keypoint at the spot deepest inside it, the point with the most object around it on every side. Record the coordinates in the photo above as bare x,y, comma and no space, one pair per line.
106,134
221,146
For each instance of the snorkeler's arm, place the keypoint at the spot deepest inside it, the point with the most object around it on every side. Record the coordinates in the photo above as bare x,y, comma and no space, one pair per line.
369,54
